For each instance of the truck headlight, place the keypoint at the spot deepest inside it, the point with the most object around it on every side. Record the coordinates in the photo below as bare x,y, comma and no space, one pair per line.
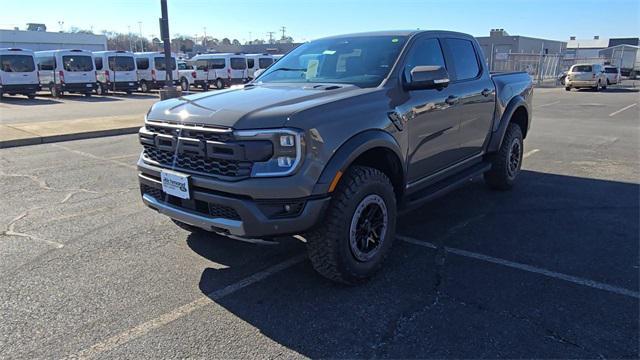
288,148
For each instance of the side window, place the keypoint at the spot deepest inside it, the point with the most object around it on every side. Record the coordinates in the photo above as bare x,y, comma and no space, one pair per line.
250,63
424,52
46,63
202,65
463,59
264,63
216,63
98,61
142,63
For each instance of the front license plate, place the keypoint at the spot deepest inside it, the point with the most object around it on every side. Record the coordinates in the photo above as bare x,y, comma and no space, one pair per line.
89,85
130,84
175,184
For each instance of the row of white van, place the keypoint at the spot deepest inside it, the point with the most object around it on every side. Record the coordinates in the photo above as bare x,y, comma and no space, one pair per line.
79,71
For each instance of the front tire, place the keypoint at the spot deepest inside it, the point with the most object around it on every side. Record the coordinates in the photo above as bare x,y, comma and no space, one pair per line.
506,163
219,84
351,243
144,87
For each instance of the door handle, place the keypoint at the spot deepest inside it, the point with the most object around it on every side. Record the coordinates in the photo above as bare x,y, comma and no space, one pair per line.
486,92
452,100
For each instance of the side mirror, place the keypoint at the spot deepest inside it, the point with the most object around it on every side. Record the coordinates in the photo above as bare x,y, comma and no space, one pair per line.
427,77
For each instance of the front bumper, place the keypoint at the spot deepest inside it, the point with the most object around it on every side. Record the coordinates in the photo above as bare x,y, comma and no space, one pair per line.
20,88
230,214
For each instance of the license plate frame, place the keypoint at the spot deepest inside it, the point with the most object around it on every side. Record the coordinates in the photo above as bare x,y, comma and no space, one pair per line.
176,184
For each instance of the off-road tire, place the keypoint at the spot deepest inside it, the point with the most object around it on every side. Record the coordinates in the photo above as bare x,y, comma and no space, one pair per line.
328,243
500,177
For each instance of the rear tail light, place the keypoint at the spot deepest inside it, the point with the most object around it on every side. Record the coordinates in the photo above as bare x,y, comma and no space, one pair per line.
153,74
193,74
61,75
229,73
106,75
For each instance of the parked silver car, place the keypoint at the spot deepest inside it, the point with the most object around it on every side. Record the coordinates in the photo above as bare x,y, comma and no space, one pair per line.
586,76
613,74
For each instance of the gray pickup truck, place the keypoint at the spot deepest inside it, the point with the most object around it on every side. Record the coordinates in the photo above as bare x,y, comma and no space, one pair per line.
333,140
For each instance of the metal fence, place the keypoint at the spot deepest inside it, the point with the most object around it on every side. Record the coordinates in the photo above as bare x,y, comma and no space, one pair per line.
541,67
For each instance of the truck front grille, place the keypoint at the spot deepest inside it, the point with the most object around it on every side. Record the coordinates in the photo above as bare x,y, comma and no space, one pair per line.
194,163
194,149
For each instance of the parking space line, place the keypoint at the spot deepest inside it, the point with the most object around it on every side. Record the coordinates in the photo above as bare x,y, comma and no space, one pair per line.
529,153
547,104
184,310
623,109
525,267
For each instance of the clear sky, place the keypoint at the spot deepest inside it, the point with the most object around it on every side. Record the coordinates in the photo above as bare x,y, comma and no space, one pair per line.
309,19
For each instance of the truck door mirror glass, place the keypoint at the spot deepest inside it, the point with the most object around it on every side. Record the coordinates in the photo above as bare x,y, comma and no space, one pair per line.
427,77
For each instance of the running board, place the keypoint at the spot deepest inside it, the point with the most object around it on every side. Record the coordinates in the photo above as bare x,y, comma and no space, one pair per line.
443,186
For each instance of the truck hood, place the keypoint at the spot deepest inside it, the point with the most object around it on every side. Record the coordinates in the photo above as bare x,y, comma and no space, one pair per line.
254,106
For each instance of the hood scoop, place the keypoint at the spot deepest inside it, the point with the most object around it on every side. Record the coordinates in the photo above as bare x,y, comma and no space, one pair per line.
322,87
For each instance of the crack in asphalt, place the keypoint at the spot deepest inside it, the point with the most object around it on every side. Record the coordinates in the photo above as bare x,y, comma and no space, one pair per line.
10,230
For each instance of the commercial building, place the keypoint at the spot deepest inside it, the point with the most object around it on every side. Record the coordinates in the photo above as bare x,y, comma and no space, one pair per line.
43,40
500,42
585,48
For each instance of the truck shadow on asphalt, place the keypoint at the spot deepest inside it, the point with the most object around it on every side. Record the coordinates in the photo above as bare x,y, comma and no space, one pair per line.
428,303
24,101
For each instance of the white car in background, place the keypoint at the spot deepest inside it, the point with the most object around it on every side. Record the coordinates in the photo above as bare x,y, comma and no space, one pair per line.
613,74
586,76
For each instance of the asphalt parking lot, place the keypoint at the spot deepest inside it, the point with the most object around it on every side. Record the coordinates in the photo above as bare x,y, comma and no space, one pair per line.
547,270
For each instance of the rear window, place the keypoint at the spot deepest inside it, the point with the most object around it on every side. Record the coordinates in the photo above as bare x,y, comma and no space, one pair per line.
464,58
46,63
264,63
182,66
216,63
250,63
142,63
611,70
238,63
98,62
581,68
17,63
160,63
121,63
77,63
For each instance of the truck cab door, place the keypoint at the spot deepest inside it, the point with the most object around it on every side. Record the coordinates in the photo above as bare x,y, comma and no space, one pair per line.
476,94
430,114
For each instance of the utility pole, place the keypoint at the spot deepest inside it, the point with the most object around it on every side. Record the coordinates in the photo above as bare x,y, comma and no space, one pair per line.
170,90
204,39
270,33
140,28
283,29
250,39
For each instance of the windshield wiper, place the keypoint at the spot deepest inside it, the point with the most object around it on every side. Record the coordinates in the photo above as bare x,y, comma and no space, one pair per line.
289,69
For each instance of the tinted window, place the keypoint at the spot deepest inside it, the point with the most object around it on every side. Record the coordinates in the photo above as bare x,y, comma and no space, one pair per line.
17,63
46,63
98,62
238,63
463,58
582,68
142,63
250,63
359,60
611,70
160,63
77,63
424,52
121,63
264,63
182,66
216,63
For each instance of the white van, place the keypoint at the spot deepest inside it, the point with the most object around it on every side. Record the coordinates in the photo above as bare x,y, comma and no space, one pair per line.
257,62
18,74
115,71
219,70
152,72
63,71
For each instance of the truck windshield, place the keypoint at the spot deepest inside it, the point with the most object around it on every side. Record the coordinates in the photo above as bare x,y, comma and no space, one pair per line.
160,63
581,68
77,63
121,63
363,61
17,63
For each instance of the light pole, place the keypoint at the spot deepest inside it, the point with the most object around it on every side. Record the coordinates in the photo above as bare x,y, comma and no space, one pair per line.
140,28
129,36
170,90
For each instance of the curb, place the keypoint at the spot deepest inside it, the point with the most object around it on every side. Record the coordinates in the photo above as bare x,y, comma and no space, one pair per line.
67,137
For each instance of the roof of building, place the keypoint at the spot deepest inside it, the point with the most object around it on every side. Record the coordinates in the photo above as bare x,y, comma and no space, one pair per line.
587,43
